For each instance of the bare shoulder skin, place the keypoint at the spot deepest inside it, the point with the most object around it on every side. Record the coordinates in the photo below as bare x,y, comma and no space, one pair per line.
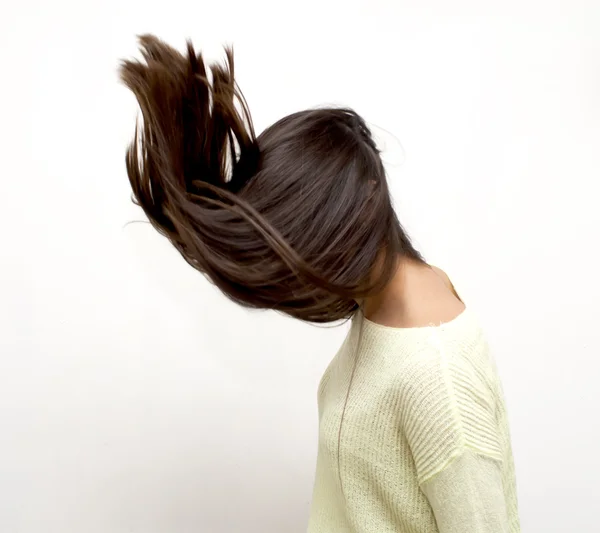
419,295
446,280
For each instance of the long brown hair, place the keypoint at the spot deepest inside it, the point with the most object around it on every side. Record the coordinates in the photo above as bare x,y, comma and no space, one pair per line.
298,219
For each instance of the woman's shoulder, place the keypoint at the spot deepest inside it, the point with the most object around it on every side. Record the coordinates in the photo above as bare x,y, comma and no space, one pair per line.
429,325
431,299
452,357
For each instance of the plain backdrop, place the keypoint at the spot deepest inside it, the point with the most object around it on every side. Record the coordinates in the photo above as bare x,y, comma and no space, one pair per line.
135,398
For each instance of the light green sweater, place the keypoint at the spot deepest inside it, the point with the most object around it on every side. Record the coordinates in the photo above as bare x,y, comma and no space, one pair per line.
424,444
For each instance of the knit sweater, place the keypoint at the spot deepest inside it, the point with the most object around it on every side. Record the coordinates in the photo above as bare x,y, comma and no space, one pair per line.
424,442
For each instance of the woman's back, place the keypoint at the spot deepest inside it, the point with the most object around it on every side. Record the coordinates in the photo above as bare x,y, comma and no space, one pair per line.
412,432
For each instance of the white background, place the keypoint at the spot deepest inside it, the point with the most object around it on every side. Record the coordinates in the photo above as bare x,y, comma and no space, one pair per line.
134,398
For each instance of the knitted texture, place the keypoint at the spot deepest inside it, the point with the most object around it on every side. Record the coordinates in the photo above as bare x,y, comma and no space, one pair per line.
423,444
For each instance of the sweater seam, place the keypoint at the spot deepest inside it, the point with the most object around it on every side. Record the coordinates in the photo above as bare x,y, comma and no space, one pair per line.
454,456
450,387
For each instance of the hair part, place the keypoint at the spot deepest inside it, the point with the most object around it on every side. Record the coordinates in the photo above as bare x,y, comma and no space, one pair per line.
295,220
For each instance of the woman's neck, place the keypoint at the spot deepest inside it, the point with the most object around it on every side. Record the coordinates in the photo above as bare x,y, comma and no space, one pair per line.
417,295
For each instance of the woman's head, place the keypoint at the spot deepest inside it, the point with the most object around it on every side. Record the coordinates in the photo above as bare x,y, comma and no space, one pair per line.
298,219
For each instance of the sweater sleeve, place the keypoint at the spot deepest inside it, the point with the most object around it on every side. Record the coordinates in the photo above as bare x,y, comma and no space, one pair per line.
449,421
468,496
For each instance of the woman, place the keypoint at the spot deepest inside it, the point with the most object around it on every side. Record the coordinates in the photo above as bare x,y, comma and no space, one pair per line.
413,429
